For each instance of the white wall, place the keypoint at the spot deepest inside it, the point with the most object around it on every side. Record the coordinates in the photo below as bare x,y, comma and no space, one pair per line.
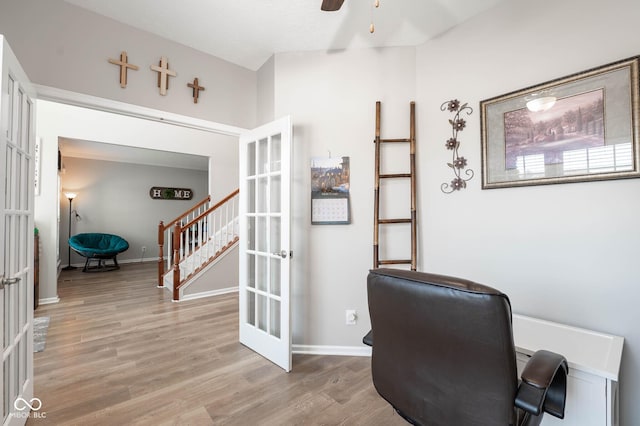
265,93
331,97
58,120
566,252
113,198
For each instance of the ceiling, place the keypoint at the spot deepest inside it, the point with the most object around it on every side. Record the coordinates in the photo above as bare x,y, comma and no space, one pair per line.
126,154
248,32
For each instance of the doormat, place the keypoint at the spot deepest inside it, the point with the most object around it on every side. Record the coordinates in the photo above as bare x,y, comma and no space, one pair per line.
40,327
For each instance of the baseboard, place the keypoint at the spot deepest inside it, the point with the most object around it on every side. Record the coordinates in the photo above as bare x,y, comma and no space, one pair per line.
332,350
120,261
208,294
141,260
48,300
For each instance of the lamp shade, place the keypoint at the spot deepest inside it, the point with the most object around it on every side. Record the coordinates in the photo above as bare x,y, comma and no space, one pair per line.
70,195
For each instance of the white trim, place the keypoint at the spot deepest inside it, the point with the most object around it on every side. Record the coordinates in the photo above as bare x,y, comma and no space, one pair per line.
332,350
93,102
48,300
208,294
120,262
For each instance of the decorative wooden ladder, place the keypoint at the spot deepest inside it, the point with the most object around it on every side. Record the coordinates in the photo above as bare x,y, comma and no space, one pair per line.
377,221
195,239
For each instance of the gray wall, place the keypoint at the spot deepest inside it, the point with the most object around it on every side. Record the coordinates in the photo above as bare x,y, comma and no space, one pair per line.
567,252
67,47
114,198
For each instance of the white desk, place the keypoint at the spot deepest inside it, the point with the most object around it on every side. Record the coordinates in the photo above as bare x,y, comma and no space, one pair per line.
594,364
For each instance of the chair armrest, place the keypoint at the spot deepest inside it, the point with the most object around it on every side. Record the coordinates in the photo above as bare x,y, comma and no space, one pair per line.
368,339
544,384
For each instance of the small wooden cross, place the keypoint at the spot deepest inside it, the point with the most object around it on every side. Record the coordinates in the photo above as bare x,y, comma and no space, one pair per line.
122,63
163,74
196,89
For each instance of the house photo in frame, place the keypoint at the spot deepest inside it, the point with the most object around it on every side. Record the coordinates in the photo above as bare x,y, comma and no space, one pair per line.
577,128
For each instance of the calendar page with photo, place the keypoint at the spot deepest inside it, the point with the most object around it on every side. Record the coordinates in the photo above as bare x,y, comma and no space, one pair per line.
330,202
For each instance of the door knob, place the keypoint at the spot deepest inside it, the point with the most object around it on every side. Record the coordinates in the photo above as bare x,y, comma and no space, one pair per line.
282,254
7,281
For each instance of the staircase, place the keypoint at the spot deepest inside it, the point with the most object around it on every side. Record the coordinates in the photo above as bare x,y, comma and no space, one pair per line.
194,240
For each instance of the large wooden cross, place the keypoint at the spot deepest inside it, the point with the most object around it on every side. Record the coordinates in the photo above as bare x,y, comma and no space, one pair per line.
124,66
163,74
196,89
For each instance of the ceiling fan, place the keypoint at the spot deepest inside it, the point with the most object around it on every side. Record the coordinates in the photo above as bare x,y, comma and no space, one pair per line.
331,5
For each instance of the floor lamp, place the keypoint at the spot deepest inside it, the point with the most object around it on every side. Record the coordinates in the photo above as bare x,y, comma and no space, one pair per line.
70,196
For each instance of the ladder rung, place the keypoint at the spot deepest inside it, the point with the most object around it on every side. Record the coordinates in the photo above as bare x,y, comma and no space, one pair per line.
396,175
381,221
394,262
395,140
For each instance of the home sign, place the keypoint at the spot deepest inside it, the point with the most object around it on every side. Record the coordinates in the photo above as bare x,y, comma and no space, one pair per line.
164,193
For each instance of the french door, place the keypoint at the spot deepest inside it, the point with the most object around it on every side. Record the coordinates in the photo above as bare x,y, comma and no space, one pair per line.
17,140
265,184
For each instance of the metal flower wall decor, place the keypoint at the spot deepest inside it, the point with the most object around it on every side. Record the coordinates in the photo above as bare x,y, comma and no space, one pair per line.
458,163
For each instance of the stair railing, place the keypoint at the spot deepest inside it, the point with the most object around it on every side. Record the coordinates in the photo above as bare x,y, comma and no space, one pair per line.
199,241
165,234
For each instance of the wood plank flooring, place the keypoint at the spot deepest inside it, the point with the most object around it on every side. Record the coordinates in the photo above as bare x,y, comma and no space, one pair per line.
119,352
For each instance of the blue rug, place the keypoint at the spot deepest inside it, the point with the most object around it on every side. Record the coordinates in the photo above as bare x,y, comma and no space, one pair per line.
40,327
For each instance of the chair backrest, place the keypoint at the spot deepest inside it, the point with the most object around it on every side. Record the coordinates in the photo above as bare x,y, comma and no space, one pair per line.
443,350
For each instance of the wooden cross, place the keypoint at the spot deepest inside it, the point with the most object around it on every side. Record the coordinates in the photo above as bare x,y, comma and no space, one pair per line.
196,89
163,74
122,63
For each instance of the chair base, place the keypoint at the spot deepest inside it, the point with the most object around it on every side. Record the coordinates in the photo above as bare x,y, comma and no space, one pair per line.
102,266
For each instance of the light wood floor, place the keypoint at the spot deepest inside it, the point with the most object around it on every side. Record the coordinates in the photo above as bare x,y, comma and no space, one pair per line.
119,352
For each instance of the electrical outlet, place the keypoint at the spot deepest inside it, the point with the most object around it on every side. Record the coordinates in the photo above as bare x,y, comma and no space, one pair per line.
351,317
144,248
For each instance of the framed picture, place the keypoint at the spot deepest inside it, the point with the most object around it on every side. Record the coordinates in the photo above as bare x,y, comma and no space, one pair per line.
574,129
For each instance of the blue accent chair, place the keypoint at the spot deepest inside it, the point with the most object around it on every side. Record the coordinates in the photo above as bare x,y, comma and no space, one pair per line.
98,247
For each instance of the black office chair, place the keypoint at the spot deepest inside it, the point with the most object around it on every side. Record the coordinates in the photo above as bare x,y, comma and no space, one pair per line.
443,354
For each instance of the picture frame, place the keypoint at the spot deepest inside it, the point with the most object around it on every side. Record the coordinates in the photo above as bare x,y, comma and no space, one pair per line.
578,128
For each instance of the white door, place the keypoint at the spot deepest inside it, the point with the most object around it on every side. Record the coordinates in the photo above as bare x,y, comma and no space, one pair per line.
265,183
16,240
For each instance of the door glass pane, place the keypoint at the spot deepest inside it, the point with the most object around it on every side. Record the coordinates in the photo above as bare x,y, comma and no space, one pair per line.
251,270
251,196
26,168
274,231
22,356
262,194
251,159
275,194
15,308
275,153
10,92
261,234
261,277
251,308
5,386
274,323
251,229
9,176
262,312
7,247
275,276
18,180
20,134
263,158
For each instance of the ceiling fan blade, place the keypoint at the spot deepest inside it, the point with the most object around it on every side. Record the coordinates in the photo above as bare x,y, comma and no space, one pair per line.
331,5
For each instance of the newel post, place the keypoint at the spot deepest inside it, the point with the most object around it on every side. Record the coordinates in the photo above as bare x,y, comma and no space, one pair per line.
177,231
161,254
